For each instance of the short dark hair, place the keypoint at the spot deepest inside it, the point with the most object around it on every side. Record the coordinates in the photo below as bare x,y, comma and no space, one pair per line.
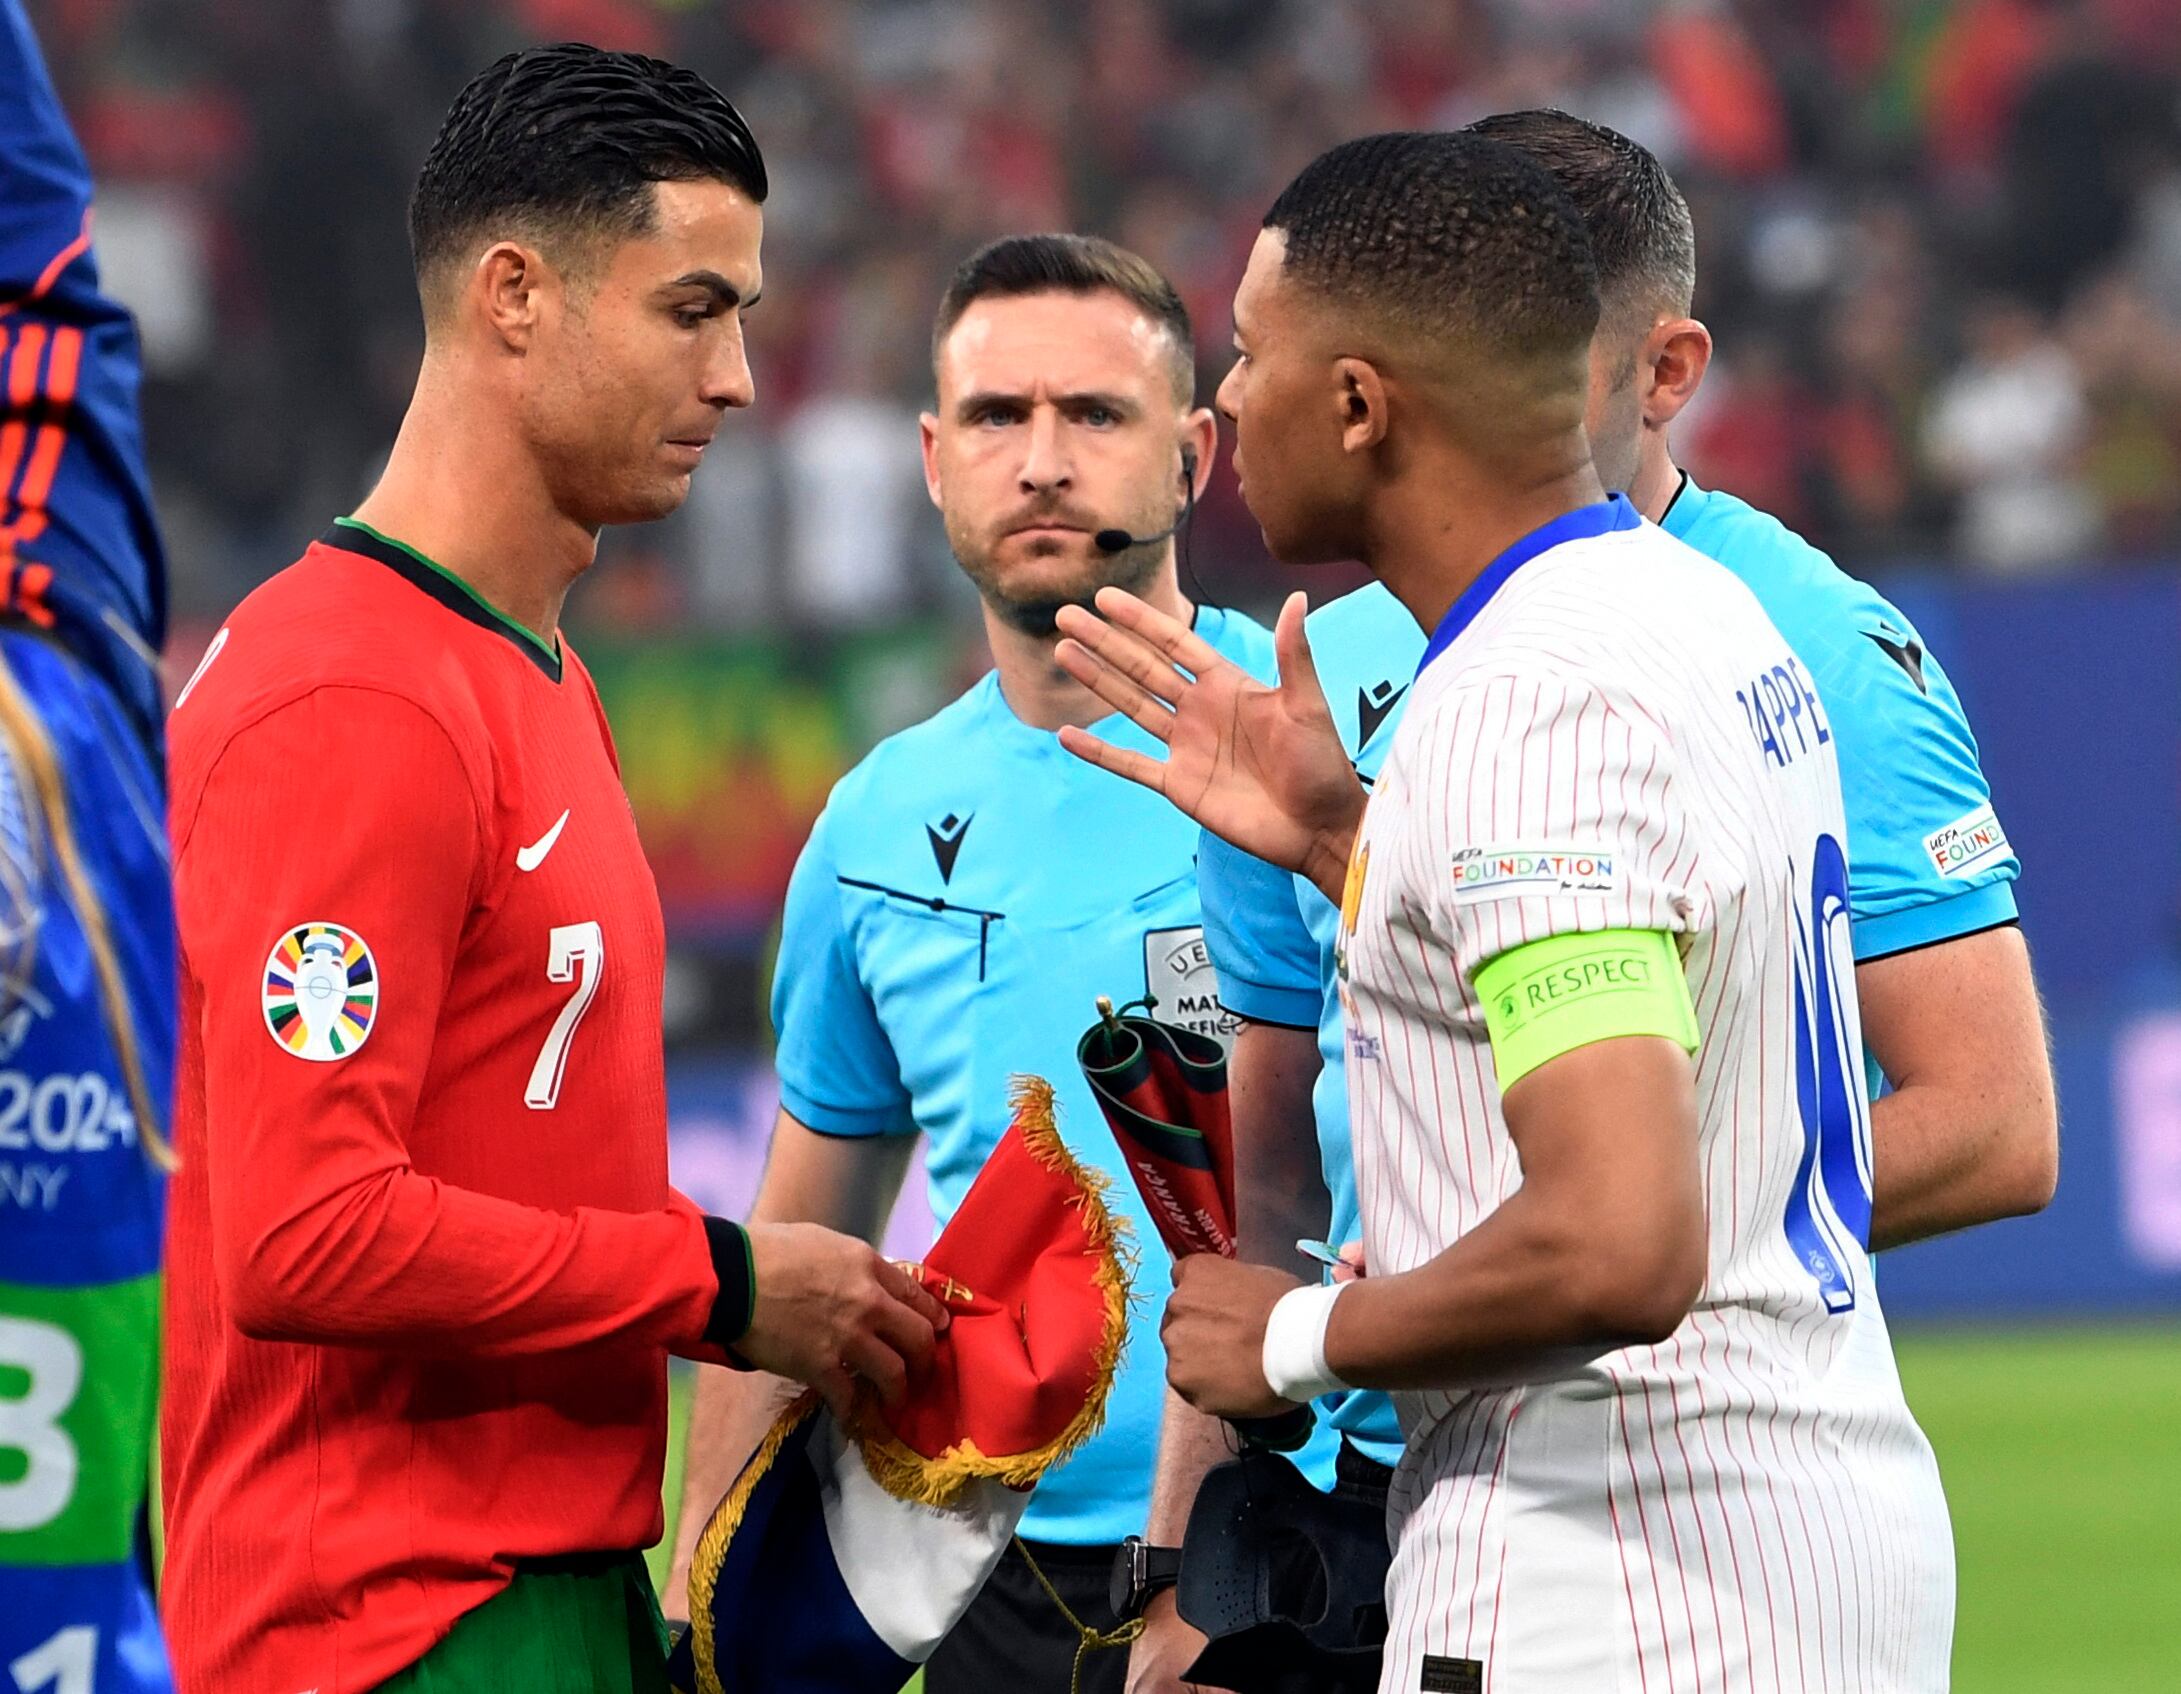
1452,235
1018,265
568,139
1640,231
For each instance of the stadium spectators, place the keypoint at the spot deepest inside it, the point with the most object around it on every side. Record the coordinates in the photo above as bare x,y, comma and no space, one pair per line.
2006,430
1865,176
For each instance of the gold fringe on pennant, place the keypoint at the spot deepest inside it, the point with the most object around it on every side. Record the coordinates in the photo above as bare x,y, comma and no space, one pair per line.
711,1550
907,1474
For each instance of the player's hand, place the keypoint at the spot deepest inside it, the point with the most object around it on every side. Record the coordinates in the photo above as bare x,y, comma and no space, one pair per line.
1165,1649
1214,1333
1262,767
832,1310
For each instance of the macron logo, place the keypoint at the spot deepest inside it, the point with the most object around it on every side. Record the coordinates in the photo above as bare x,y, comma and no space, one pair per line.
947,836
531,857
1373,706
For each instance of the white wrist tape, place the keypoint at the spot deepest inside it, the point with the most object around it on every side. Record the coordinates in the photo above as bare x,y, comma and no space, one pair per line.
1294,1355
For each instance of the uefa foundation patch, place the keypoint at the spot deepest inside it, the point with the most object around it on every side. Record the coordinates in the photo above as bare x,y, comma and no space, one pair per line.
1971,843
1516,873
321,992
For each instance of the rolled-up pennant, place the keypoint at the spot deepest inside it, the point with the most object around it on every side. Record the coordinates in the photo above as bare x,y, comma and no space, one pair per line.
840,1558
1163,1091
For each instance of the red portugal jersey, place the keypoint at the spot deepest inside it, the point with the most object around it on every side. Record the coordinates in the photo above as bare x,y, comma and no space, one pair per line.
424,1265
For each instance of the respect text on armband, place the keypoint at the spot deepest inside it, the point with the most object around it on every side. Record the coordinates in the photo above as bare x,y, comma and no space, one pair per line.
1606,971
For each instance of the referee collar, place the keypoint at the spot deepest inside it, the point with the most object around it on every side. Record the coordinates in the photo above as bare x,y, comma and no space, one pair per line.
1599,518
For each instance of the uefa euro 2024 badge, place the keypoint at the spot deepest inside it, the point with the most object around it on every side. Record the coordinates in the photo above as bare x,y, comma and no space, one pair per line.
321,991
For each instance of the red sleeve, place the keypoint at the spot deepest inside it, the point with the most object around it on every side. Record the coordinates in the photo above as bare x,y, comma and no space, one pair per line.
352,806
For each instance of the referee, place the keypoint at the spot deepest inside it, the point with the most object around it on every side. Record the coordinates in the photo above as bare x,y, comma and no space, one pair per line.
971,888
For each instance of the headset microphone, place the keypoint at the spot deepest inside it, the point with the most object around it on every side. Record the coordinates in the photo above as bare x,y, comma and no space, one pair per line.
1120,541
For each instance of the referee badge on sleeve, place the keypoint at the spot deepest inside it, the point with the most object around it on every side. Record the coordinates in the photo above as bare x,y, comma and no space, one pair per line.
321,991
1181,985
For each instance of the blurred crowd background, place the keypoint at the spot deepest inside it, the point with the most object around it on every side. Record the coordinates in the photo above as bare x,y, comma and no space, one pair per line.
1940,245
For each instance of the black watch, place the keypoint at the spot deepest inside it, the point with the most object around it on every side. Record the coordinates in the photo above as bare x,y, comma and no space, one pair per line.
1140,1570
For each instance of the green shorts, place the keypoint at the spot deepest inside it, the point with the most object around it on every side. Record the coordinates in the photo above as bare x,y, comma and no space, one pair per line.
562,1626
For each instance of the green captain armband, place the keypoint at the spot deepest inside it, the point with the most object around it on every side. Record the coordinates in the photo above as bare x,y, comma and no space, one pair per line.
1549,997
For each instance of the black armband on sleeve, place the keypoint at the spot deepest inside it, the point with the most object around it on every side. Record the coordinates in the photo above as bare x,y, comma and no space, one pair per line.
736,1302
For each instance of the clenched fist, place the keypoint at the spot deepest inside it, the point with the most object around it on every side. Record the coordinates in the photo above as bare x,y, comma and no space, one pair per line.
1214,1333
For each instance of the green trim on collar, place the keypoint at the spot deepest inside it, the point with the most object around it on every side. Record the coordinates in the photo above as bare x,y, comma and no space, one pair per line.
521,631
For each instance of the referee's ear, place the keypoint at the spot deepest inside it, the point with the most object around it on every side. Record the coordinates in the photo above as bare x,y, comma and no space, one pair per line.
1671,367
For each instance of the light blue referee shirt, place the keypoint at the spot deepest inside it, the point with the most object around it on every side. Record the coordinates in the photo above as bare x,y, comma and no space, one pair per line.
969,891
1928,860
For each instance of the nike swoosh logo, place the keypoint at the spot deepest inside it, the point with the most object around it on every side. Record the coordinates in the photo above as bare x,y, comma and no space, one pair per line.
531,857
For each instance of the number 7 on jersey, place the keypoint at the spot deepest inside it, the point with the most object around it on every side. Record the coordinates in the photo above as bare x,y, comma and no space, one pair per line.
576,952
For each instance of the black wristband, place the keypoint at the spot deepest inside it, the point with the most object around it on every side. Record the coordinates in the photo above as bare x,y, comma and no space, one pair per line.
736,1302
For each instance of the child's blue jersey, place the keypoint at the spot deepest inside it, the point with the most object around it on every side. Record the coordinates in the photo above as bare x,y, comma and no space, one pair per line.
1928,860
78,544
968,893
81,1206
83,596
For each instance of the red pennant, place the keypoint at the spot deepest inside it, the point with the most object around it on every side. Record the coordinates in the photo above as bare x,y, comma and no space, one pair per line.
1034,1270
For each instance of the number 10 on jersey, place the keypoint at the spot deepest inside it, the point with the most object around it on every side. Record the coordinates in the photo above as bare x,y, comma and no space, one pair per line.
1828,1217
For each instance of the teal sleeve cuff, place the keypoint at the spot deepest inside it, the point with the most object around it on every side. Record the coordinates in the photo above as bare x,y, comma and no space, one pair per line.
1267,1002
843,1120
1984,907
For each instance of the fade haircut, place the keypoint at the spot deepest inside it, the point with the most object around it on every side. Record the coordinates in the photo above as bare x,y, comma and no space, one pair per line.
1640,231
1020,265
565,142
1453,237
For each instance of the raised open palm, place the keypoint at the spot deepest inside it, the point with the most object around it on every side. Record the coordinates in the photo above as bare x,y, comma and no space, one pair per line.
1262,767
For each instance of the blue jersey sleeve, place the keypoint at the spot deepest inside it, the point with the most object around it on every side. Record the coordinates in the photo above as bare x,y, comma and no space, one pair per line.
1262,950
1928,857
44,214
838,1072
80,553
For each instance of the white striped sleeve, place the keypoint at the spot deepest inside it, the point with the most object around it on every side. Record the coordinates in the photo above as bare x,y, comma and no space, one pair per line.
1549,810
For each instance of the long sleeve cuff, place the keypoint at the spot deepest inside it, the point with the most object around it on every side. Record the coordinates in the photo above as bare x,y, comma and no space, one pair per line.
736,1302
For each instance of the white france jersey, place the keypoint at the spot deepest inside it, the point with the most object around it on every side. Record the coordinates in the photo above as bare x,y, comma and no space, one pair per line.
1749,1505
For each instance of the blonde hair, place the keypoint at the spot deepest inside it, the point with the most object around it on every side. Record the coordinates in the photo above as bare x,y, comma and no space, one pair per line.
30,750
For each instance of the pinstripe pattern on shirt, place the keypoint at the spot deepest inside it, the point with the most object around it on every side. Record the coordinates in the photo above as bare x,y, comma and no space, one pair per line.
1750,1503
